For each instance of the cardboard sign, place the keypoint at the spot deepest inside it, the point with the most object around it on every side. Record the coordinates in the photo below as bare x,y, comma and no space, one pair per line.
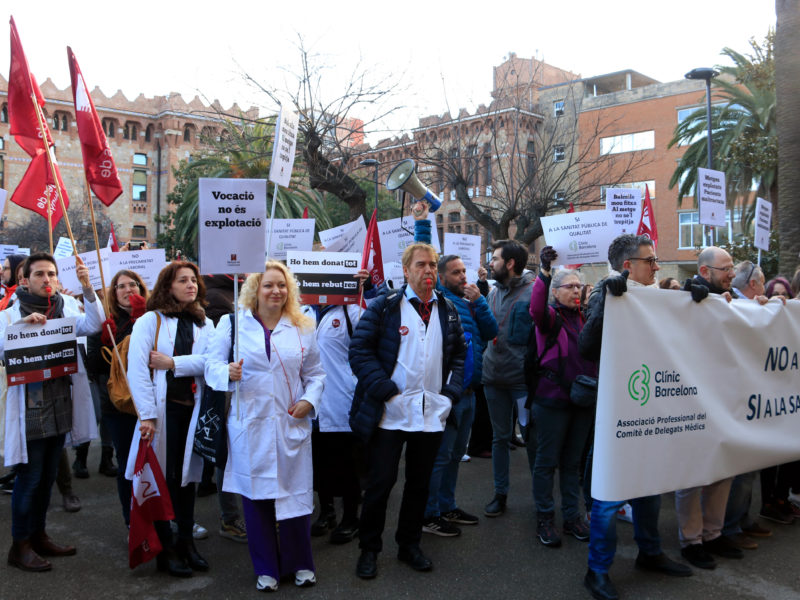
763,224
468,248
280,170
349,237
146,263
397,235
711,197
36,353
233,225
580,237
291,234
625,206
326,277
67,270
64,248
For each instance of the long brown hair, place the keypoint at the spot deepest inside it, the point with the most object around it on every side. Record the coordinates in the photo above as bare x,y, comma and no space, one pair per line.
113,305
161,298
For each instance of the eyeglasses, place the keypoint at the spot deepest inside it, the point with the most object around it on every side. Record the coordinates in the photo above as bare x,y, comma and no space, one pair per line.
651,260
131,286
571,286
726,269
750,274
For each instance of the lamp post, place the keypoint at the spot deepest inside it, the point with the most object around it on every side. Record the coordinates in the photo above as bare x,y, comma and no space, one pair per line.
371,162
706,75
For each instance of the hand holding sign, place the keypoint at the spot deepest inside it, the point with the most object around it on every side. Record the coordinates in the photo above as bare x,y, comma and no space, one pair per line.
82,272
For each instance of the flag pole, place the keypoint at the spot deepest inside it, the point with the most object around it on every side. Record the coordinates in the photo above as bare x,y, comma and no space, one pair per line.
55,181
97,245
236,335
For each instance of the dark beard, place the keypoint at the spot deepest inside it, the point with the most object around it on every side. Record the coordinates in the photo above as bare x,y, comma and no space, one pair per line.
457,290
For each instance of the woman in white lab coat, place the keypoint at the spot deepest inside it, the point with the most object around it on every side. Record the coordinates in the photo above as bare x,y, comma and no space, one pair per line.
166,359
269,425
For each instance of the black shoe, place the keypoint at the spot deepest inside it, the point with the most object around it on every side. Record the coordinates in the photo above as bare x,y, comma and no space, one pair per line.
518,441
79,469
497,506
661,563
206,489
697,555
440,526
413,557
325,521
722,546
459,516
186,550
169,561
599,586
345,532
547,532
367,566
107,466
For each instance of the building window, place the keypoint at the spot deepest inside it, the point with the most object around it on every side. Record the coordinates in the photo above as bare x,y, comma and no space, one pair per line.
139,232
2,173
629,142
2,143
140,159
691,234
454,217
130,132
530,159
187,134
56,121
558,108
139,192
148,133
559,154
560,197
4,114
109,127
63,122
487,169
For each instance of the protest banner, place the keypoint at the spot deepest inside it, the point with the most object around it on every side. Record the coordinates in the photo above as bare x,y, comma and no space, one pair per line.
146,263
63,248
36,353
325,277
673,415
579,237
468,248
232,225
763,224
66,269
291,234
711,197
398,234
283,148
625,206
349,237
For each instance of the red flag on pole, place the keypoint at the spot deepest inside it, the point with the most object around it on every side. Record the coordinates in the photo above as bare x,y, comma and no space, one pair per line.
112,240
571,209
22,86
150,502
37,188
647,224
101,172
372,258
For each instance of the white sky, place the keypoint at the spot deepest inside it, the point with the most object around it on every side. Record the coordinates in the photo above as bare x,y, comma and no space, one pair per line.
442,51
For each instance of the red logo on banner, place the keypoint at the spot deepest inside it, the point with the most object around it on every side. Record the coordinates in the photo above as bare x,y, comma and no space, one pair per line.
404,330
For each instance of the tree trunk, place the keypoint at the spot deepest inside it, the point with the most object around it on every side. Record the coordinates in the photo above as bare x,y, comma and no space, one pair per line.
787,88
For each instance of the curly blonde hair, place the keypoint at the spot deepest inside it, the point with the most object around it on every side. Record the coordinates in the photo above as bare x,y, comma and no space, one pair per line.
248,297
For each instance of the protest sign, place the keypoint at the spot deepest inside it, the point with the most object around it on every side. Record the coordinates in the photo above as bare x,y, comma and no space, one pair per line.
3,194
763,224
625,206
280,169
36,353
146,263
397,234
232,228
291,234
63,248
66,269
326,277
711,197
678,415
579,237
345,238
468,248
393,271
7,250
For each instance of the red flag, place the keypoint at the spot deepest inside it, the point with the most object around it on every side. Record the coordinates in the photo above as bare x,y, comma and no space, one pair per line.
37,188
372,258
150,502
305,212
647,224
112,240
571,209
22,120
101,172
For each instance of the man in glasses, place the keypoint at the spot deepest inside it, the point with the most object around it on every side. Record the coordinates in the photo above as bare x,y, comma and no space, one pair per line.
748,282
715,271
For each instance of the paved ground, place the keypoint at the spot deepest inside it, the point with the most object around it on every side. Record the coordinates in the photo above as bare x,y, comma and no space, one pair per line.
500,558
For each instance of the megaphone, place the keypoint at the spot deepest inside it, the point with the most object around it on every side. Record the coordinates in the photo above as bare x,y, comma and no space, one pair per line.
404,177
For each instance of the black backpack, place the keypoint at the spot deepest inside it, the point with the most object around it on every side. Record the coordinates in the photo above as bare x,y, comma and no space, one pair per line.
533,358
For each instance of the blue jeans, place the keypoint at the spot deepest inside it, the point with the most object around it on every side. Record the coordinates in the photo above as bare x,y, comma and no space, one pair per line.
738,503
603,540
501,412
561,435
32,486
442,490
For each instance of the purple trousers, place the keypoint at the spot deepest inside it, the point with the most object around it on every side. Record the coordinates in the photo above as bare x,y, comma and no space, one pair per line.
277,548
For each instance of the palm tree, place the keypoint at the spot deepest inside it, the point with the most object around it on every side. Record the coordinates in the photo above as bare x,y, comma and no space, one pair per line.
744,130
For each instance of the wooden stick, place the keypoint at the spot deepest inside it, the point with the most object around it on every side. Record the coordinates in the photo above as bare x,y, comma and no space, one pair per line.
97,246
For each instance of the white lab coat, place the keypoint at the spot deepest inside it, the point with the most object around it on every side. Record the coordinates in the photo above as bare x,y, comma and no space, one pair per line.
269,451
150,396
84,423
340,383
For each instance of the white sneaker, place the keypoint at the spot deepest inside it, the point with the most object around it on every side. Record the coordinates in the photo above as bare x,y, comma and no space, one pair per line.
625,513
266,583
794,498
304,578
465,458
199,532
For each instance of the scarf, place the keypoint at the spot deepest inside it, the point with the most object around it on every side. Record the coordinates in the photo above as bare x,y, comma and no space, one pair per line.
52,307
180,389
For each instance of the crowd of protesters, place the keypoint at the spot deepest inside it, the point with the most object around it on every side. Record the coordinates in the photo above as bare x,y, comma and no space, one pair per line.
328,398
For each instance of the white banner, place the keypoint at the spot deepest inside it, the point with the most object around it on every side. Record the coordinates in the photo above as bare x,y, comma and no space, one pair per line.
349,237
66,270
468,248
396,236
291,234
280,169
233,223
625,206
711,197
579,237
691,393
763,223
146,263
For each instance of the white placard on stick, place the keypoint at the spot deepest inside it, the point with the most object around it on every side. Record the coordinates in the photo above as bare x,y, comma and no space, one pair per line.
468,248
280,170
63,248
3,194
146,263
326,277
580,237
291,234
711,197
763,224
349,237
232,231
40,352
393,271
397,234
625,206
66,270
7,250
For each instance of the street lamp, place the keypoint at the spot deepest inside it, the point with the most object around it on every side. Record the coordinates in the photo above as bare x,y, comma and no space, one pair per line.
371,162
